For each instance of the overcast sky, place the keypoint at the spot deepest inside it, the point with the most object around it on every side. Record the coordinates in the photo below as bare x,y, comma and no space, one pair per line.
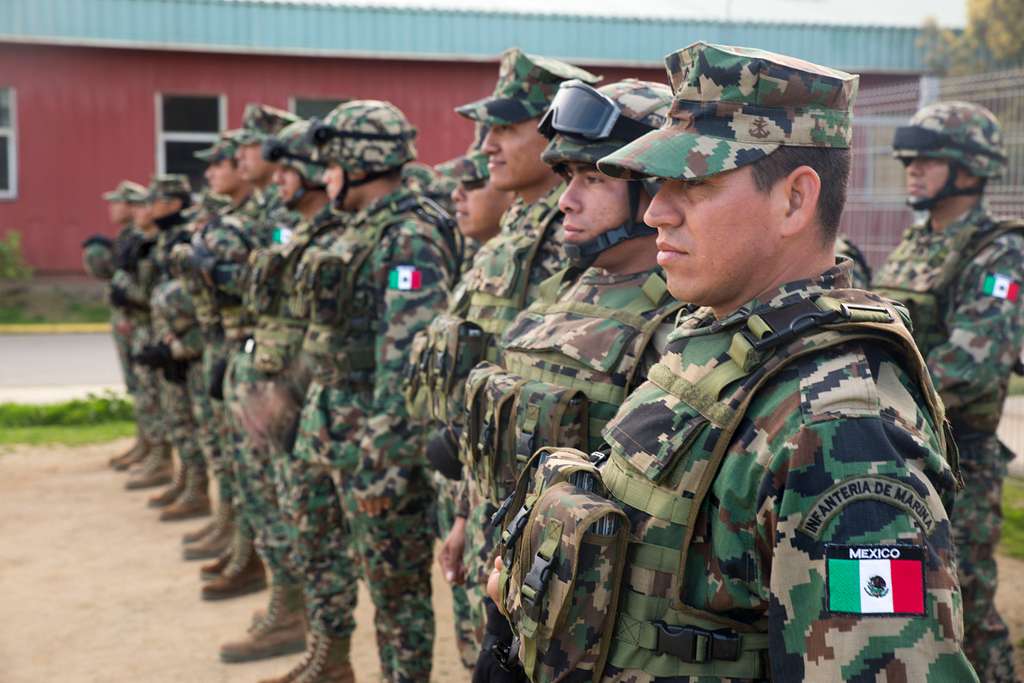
951,13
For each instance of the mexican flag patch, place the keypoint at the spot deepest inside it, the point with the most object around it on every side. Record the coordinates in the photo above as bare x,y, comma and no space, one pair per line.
875,579
405,278
1000,287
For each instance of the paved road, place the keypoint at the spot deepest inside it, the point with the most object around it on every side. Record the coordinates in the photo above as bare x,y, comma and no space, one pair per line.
45,367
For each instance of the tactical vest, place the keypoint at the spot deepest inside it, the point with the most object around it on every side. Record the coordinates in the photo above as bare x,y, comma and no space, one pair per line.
481,309
542,392
340,339
597,551
236,323
270,295
924,283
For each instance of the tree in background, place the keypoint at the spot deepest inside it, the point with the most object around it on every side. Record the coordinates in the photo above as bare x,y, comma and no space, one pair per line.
992,40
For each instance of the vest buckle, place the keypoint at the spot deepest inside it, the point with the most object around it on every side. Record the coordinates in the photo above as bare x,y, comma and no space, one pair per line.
696,645
535,584
516,526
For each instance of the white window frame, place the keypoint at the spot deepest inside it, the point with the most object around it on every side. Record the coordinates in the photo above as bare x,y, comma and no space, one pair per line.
11,132
163,137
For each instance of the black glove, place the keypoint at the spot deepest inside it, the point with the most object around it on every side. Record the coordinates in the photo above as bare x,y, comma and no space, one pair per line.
176,371
119,298
443,452
98,239
216,388
155,356
497,662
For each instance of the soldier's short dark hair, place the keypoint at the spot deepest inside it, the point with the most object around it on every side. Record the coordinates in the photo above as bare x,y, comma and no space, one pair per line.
832,166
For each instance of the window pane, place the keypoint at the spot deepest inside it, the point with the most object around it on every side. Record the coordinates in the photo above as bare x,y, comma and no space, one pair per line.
186,114
5,107
5,169
178,156
308,108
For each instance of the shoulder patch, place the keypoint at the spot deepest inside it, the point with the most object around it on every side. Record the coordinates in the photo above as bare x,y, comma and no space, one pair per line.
1001,286
405,278
875,579
871,487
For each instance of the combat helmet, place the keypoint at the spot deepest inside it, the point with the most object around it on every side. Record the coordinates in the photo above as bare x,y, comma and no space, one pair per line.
965,134
367,138
585,124
292,148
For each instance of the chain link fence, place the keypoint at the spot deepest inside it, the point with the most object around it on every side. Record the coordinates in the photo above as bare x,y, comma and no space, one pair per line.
876,211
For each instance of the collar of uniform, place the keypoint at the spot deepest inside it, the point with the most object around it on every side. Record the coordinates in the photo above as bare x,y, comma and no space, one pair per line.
513,218
388,201
599,276
703,321
974,217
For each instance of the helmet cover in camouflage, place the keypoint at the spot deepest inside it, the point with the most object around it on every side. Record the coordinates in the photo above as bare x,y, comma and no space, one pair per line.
641,101
526,85
292,148
223,149
126,191
735,105
261,121
98,256
367,137
207,204
169,186
964,132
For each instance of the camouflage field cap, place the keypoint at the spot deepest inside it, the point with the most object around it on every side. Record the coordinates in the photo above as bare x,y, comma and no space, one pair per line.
471,167
126,191
293,148
207,203
735,105
364,137
642,101
963,132
526,85
224,148
261,121
169,186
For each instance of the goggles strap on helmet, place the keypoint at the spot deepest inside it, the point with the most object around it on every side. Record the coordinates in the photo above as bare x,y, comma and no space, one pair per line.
582,256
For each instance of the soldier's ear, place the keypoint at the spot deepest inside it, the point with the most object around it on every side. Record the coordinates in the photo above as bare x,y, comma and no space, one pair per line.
798,195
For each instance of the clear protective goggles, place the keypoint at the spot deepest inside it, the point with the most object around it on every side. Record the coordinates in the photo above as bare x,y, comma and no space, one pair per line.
580,110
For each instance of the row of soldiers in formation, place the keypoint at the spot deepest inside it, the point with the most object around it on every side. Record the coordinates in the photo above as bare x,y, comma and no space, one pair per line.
658,430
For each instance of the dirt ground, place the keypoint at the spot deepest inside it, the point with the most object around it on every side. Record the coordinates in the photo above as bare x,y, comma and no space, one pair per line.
92,587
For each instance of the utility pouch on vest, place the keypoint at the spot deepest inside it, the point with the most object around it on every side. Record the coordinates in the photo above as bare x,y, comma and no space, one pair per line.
277,343
266,268
439,363
548,414
488,437
566,550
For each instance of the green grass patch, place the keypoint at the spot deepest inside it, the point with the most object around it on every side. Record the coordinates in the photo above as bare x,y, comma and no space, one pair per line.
75,435
1016,385
53,300
90,411
1012,542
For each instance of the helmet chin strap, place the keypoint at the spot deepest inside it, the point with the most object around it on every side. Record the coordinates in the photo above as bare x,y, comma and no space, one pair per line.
339,201
582,256
948,189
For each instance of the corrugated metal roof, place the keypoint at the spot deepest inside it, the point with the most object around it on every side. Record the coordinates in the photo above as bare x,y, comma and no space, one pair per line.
418,33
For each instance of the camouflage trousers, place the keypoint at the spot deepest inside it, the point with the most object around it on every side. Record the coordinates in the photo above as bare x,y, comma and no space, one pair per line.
311,498
263,411
220,438
977,524
176,407
465,638
121,329
478,557
147,397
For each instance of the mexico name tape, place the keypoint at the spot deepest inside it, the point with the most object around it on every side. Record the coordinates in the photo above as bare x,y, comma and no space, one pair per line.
875,579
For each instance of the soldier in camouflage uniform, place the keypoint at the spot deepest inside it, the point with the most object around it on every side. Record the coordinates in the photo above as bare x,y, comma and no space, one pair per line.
174,346
506,271
773,500
959,273
130,289
567,362
478,209
229,241
225,183
99,256
356,476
